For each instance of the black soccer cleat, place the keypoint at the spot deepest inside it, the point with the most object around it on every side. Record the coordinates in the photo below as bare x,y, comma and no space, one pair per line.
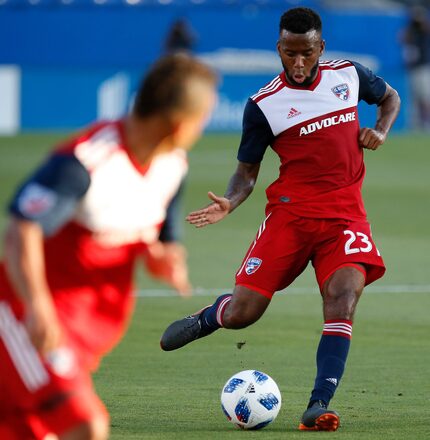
318,418
183,331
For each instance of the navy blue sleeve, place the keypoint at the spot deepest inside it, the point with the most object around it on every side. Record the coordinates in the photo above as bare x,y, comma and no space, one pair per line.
49,197
372,87
171,229
256,134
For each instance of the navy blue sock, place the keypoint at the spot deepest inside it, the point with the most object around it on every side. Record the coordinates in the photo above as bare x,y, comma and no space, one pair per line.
211,318
331,358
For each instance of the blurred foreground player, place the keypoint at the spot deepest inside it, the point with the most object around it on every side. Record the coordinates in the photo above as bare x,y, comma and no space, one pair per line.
315,213
77,227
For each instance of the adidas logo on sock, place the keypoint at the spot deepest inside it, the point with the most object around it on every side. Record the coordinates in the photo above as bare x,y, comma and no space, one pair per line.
333,380
293,112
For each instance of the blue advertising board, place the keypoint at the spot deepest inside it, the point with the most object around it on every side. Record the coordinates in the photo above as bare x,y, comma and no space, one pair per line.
81,61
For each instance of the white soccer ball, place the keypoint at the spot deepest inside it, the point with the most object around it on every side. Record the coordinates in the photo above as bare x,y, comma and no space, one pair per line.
251,399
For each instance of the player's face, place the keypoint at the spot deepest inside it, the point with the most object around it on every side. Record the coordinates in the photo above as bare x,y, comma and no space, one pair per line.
300,54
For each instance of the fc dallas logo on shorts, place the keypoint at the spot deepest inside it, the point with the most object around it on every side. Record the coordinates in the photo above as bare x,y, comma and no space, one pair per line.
252,265
341,91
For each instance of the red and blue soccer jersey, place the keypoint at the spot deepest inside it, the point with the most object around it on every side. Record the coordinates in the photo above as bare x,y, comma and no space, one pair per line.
315,133
315,211
98,209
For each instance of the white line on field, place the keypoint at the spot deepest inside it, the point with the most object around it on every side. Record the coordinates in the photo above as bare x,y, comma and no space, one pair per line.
199,291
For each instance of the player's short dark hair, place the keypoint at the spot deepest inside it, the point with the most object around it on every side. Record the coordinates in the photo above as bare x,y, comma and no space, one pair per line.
165,89
300,21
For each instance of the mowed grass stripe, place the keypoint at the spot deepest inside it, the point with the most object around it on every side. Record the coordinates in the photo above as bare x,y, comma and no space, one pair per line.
169,293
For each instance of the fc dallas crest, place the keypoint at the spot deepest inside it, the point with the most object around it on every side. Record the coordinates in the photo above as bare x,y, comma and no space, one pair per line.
252,265
341,91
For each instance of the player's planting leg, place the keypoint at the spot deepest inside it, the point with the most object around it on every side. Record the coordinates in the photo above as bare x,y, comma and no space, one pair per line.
340,297
331,357
235,311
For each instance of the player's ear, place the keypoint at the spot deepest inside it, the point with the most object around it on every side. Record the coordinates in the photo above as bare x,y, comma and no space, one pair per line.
278,47
322,47
176,126
179,131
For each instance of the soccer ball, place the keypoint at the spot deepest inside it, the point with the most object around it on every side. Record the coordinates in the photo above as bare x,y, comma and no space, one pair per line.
251,399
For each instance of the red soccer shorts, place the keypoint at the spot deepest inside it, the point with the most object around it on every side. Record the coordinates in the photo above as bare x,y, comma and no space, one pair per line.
285,244
39,395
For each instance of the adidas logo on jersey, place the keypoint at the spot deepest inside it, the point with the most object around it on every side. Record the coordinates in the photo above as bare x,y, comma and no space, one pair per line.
293,112
333,380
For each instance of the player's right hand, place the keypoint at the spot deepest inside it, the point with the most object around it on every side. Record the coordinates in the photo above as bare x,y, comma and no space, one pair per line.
168,262
42,325
213,213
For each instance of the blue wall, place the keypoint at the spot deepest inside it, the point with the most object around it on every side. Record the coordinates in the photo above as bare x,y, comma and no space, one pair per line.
117,36
66,52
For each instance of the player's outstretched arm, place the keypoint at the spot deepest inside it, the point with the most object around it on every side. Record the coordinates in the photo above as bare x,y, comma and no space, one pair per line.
388,109
239,188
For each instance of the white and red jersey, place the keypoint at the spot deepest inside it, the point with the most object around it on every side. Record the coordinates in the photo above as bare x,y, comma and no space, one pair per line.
314,131
98,209
125,203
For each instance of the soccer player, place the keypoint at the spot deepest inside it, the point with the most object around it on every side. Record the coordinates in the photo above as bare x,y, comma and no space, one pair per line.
77,227
315,213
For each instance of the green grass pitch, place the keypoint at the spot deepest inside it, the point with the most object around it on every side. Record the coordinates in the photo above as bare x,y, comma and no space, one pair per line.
385,393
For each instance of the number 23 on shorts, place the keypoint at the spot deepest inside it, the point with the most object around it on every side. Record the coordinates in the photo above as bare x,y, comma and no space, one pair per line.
358,242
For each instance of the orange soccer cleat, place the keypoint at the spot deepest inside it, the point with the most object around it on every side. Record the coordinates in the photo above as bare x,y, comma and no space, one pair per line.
318,418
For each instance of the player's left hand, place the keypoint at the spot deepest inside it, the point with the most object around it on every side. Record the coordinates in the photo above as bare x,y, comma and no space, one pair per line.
370,138
168,262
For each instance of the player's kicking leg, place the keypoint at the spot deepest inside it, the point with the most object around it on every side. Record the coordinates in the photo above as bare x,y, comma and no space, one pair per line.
340,296
233,311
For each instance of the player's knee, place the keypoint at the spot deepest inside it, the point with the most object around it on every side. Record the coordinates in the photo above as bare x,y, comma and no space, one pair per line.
99,428
235,321
94,429
240,316
340,301
245,308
